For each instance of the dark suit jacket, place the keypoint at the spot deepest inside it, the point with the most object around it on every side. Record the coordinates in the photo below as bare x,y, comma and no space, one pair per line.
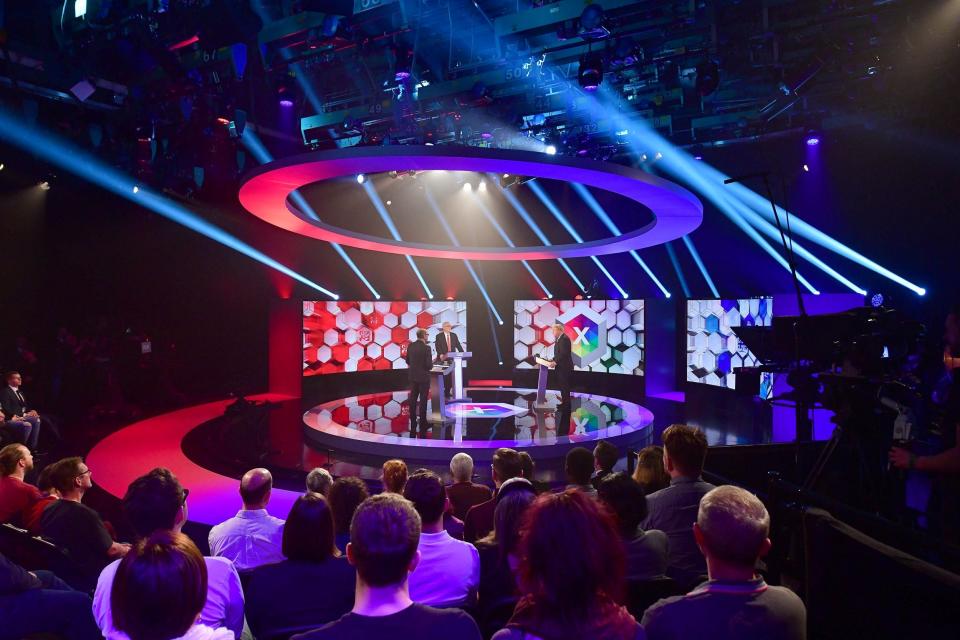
441,343
464,495
563,356
419,361
479,520
10,403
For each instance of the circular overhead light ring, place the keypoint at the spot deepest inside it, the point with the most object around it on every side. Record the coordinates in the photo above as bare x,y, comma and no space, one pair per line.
265,193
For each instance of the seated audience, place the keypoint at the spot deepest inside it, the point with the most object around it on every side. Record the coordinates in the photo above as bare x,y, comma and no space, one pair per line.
313,586
650,473
37,603
384,536
394,476
20,430
673,510
605,456
498,551
647,551
156,502
346,494
319,481
49,495
22,418
252,537
479,521
529,472
448,573
17,498
735,604
578,467
70,524
160,589
464,493
571,573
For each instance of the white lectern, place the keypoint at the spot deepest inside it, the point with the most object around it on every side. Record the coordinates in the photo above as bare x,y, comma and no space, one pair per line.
541,401
458,357
438,404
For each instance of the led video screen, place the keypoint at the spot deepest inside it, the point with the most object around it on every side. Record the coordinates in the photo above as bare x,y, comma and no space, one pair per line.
714,352
341,337
605,335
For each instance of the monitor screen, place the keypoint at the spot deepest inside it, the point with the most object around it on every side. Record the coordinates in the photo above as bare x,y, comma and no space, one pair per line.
340,337
605,335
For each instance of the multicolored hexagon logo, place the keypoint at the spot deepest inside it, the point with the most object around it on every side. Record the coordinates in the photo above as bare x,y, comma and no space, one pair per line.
587,331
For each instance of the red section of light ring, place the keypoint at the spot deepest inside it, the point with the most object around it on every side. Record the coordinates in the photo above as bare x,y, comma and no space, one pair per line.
676,211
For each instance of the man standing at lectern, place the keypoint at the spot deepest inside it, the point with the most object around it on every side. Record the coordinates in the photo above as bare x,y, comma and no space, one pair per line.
419,362
562,364
446,342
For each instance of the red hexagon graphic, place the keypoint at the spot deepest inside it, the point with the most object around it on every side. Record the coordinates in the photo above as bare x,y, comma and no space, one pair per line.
424,320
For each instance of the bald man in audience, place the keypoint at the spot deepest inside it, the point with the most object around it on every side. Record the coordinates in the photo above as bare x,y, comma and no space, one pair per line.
252,537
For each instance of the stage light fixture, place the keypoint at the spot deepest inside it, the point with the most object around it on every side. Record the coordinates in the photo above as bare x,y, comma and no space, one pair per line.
550,150
136,189
389,202
467,187
813,139
806,168
44,185
876,300
482,186
1,166
361,178
590,74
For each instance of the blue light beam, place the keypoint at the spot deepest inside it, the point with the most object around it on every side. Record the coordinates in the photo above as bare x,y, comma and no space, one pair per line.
387,220
79,162
703,268
676,267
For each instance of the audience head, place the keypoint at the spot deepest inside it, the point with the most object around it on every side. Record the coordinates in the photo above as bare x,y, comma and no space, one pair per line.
72,477
346,494
684,451
578,466
650,473
461,467
425,491
605,456
160,588
384,536
13,378
526,465
155,502
570,554
45,480
625,498
394,476
308,534
512,504
255,488
506,465
732,526
319,481
15,459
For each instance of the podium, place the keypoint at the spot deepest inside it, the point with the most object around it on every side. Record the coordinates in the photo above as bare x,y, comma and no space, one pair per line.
458,358
438,404
541,401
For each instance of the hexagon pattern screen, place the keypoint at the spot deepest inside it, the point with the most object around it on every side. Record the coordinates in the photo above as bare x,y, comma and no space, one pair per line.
714,352
605,335
341,337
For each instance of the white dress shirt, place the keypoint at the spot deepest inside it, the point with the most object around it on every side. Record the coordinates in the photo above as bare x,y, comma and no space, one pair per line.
224,606
249,539
448,573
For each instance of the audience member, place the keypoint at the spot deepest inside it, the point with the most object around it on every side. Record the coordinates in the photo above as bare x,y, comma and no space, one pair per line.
529,472
394,476
479,521
313,586
448,573
156,502
384,536
647,552
15,409
21,430
650,473
464,493
252,537
49,495
319,481
16,496
578,467
346,494
37,603
735,604
160,589
571,572
70,524
673,510
605,456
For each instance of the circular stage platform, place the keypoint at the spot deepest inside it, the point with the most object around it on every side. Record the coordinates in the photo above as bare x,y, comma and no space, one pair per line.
379,424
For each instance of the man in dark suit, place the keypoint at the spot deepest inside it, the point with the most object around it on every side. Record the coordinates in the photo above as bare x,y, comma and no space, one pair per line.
479,521
447,341
16,411
563,366
419,362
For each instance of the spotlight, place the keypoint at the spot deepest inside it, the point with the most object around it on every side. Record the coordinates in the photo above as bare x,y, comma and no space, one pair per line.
550,151
876,300
467,187
506,175
389,202
482,186
361,178
44,185
643,157
812,139
806,168
698,157
590,74
658,156
286,102
1,166
136,189
401,68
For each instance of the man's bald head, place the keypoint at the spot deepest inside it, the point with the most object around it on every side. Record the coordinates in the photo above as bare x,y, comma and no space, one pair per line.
255,488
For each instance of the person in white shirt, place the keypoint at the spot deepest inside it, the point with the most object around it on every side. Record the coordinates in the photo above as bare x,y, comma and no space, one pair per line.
449,570
253,537
156,502
161,587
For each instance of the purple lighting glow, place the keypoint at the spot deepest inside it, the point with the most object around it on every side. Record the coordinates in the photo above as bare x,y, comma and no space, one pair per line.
286,102
813,140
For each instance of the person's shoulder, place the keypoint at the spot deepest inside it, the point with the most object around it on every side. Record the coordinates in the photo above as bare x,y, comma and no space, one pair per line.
458,621
508,633
105,581
784,596
218,567
662,608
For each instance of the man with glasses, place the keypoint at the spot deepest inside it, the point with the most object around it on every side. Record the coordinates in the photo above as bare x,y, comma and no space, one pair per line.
157,502
77,528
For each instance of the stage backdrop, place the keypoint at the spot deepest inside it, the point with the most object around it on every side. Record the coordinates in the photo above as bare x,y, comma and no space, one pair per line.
714,352
341,337
606,335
